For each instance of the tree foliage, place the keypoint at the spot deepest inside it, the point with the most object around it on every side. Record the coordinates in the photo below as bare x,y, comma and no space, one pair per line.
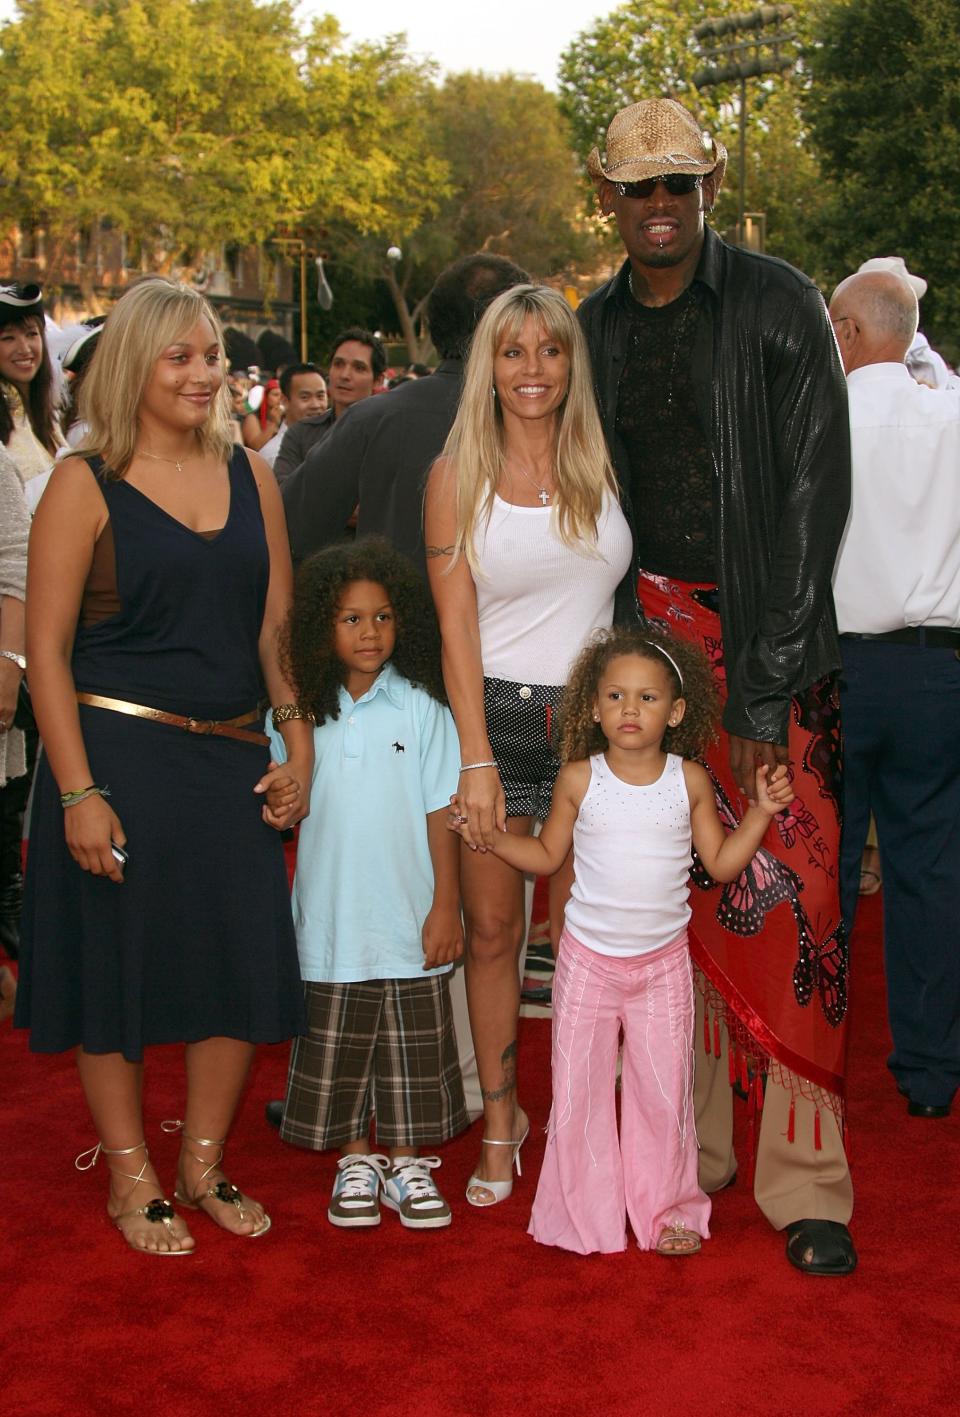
512,188
194,122
884,113
189,124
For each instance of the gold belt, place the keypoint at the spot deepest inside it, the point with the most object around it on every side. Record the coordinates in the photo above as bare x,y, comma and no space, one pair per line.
220,728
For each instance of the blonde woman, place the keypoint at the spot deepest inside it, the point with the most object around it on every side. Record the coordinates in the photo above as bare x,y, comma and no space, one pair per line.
156,906
526,547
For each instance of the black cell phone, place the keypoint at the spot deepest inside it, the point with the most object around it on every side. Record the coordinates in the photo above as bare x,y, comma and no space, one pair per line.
119,855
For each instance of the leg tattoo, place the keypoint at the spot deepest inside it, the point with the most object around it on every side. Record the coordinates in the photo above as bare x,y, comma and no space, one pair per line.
508,1080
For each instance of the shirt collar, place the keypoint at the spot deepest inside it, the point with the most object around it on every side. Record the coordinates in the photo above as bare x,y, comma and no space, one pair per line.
872,373
388,682
708,271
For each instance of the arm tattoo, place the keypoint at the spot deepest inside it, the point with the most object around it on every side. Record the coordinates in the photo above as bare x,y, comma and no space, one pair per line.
431,551
508,1080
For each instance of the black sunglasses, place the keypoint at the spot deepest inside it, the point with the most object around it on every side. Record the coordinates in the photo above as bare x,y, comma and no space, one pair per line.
678,184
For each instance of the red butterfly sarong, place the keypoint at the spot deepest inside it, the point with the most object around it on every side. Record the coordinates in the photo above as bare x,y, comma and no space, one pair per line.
769,947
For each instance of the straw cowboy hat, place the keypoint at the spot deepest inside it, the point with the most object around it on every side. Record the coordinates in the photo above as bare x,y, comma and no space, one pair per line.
652,138
897,266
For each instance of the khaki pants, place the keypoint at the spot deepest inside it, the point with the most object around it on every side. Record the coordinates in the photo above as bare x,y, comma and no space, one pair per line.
793,1180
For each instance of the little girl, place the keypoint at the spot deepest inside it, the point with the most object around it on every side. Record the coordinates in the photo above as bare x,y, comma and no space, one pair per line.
629,802
376,894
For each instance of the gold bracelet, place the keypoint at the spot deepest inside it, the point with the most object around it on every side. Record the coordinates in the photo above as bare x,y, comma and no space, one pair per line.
290,713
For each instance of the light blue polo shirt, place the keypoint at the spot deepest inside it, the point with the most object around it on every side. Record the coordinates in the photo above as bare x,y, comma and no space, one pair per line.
364,880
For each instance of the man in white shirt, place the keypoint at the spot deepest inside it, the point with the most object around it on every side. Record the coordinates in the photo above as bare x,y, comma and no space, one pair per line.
923,361
897,593
304,392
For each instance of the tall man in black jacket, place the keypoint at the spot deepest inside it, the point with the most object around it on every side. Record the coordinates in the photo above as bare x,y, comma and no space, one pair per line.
724,405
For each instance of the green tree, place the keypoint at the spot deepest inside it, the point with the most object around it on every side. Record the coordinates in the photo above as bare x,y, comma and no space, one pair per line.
189,123
512,188
645,49
512,170
884,114
173,120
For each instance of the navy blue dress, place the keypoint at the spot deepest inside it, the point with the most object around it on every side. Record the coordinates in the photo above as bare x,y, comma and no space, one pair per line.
198,942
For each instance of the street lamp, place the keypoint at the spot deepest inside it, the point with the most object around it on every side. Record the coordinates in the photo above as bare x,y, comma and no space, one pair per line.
742,47
295,248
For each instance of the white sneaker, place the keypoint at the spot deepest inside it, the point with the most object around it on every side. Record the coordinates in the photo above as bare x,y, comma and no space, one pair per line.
355,1202
408,1188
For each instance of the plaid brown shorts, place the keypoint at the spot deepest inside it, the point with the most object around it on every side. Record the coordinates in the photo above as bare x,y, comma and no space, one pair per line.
382,1048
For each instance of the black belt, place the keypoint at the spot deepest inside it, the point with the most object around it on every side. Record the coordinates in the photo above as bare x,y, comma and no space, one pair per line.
928,637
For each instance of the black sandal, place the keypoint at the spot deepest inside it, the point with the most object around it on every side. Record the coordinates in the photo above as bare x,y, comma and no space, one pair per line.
829,1245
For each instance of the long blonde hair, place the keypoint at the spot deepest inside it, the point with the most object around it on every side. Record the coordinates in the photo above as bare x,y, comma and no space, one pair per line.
151,315
475,449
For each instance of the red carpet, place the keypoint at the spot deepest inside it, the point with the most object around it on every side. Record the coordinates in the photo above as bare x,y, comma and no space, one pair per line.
476,1319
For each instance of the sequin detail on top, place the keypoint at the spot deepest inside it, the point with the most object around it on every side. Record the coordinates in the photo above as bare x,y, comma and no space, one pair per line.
632,855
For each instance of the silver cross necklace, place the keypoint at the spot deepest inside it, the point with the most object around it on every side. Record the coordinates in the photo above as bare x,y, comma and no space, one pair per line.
545,496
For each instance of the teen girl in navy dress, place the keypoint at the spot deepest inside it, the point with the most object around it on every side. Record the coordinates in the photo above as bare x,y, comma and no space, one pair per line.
160,575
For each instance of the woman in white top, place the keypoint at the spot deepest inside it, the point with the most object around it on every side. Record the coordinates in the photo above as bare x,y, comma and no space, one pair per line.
526,546
28,423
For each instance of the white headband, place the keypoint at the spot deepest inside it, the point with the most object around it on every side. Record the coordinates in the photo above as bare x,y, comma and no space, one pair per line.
667,655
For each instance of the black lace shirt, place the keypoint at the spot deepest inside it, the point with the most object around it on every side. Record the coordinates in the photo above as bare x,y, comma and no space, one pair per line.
670,474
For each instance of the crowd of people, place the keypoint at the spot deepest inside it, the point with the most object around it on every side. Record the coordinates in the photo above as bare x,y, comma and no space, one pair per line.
586,603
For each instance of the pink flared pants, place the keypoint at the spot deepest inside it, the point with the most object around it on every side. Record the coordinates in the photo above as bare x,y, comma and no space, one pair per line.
592,1179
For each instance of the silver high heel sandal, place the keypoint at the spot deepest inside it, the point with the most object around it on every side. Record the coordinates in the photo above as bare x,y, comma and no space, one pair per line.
158,1211
500,1190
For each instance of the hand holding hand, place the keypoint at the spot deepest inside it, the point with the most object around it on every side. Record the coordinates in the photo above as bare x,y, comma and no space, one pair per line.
282,789
482,801
287,790
774,790
746,755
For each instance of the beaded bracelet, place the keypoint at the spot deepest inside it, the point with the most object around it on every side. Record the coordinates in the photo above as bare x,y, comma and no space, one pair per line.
290,713
469,767
70,799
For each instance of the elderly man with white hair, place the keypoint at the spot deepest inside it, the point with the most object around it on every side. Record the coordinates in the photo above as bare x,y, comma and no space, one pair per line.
897,592
922,361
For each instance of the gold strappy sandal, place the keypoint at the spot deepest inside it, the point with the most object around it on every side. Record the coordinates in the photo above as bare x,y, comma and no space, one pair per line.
223,1191
158,1211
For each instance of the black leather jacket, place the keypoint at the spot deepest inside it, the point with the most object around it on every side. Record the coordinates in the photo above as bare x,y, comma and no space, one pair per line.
772,399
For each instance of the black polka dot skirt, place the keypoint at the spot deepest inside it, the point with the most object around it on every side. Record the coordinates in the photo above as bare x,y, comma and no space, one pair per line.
519,726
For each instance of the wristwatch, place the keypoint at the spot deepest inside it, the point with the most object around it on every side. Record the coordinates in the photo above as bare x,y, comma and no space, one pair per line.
18,659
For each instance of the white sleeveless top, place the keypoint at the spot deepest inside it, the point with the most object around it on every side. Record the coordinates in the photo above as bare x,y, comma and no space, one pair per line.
632,854
539,600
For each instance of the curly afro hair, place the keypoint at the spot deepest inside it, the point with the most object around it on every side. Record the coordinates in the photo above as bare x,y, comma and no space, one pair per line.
577,734
306,642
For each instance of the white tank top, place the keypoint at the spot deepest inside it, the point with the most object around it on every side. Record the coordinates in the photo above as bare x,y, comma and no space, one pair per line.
538,600
632,854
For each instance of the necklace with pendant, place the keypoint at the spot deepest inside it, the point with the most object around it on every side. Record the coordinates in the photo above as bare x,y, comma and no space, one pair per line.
545,496
158,457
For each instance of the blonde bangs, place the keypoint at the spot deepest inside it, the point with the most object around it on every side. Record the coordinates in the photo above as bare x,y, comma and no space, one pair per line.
151,315
474,448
